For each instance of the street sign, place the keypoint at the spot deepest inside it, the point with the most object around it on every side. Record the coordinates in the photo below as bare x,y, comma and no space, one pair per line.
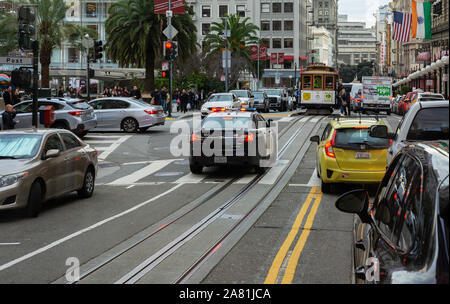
16,60
87,42
165,66
170,32
226,55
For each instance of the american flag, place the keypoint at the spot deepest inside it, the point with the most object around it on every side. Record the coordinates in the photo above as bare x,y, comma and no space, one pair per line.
402,26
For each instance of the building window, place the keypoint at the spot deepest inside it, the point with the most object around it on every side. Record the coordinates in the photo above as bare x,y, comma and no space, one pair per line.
265,7
205,28
240,10
265,42
276,25
289,25
288,43
289,7
276,43
73,55
223,10
265,25
91,10
276,7
206,11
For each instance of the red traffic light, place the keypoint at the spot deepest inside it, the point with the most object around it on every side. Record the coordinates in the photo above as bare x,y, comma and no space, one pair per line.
164,74
168,45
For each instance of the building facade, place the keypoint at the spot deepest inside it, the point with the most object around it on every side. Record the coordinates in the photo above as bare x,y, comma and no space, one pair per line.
325,14
356,42
322,46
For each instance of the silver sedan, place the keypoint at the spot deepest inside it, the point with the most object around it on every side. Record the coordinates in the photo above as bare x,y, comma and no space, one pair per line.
127,114
37,165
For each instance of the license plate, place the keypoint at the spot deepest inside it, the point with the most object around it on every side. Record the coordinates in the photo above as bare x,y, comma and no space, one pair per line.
362,155
220,159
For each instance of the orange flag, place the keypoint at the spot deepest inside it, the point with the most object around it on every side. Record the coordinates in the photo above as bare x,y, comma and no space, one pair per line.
414,19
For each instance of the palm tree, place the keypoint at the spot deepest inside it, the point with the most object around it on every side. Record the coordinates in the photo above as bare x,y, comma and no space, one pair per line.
134,35
8,24
51,14
242,34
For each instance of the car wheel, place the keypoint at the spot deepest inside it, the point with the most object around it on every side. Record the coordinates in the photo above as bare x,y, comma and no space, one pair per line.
34,200
60,125
195,168
88,184
260,170
130,125
388,112
326,187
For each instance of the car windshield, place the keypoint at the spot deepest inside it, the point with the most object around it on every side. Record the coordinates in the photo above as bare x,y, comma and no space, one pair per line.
430,124
218,98
227,122
258,95
240,93
273,92
15,146
355,137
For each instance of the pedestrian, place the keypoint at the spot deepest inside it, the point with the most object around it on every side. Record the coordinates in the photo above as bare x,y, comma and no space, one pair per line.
61,92
125,92
15,96
135,93
7,96
8,116
341,92
184,99
347,103
163,95
156,97
191,100
176,98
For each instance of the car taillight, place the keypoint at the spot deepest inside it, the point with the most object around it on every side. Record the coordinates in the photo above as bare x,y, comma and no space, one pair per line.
151,111
329,147
76,113
250,137
218,109
361,128
195,137
390,142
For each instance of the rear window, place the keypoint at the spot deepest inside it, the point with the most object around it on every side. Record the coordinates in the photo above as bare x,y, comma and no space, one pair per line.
430,124
215,98
227,122
240,93
79,105
353,138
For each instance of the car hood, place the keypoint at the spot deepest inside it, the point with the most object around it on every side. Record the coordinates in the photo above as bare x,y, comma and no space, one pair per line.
217,104
12,166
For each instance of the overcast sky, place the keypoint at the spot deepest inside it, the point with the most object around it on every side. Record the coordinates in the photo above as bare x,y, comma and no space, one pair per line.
360,10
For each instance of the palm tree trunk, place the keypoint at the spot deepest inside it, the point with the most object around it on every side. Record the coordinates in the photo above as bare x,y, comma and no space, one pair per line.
149,68
45,70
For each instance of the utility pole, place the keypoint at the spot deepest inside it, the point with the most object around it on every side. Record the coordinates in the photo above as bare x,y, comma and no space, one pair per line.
169,23
226,55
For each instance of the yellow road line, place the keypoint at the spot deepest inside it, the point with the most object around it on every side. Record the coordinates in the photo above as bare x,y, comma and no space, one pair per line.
281,255
295,256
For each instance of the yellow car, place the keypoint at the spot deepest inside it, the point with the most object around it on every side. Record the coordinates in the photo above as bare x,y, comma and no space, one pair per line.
346,153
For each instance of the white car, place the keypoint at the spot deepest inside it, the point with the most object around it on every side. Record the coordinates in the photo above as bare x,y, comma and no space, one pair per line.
425,121
220,102
246,97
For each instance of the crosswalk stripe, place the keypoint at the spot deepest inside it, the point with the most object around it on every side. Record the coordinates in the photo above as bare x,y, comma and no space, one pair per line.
190,179
140,174
286,119
271,177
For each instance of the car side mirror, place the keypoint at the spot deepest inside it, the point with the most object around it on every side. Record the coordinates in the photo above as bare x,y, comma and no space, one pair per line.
355,201
52,153
315,138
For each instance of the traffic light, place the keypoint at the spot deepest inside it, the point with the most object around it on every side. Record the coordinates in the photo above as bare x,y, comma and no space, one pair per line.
168,46
165,74
26,29
21,78
98,49
174,50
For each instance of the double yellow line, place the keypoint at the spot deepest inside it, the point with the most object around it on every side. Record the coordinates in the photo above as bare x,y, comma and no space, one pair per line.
288,275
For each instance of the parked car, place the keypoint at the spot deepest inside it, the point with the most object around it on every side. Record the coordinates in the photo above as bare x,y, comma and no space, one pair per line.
261,101
403,236
220,102
405,104
423,96
394,103
347,153
70,114
127,114
37,165
424,121
246,98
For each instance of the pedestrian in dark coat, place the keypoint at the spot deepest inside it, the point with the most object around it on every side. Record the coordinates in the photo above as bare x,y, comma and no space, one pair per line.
184,99
8,116
7,96
156,94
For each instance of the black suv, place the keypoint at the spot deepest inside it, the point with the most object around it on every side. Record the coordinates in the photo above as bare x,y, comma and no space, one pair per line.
403,236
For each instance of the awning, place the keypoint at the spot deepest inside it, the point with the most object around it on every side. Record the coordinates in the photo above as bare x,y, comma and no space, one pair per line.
302,58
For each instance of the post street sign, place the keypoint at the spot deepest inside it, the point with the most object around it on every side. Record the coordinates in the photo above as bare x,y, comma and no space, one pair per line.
16,60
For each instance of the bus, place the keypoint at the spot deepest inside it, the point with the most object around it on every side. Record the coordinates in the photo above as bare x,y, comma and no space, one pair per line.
318,88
